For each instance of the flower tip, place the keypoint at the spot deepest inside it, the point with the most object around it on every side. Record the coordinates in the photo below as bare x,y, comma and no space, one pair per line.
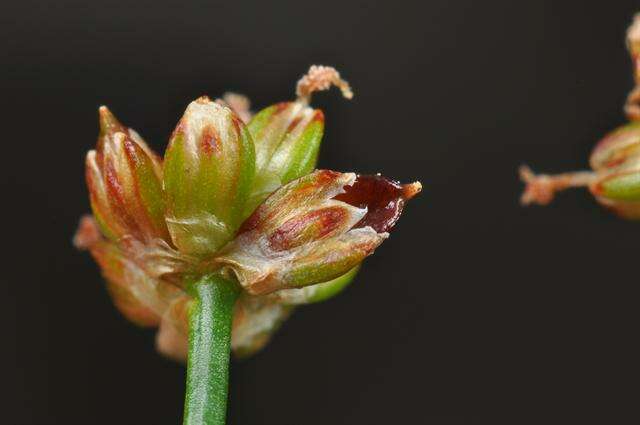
108,122
410,190
203,100
87,233
318,116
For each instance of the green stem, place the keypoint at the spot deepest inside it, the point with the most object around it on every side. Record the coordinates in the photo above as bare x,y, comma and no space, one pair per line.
209,347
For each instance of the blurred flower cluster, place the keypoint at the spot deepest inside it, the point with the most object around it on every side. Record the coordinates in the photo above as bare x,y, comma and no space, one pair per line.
235,194
615,161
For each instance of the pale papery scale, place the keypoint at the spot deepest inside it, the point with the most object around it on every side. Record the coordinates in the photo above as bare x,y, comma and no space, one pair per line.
200,225
253,325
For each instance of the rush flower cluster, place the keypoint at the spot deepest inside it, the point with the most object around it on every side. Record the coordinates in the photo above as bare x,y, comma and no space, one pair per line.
236,194
614,179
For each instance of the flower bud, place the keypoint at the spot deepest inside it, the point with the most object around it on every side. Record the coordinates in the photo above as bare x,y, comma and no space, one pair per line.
614,181
208,172
287,138
617,147
616,160
287,135
124,180
314,229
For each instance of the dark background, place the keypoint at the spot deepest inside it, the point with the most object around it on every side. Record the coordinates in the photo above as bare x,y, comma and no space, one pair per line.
475,311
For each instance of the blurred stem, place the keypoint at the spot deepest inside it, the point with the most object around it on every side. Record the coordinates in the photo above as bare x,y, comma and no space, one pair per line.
209,347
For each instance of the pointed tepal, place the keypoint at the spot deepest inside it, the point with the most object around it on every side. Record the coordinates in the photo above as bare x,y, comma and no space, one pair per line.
124,180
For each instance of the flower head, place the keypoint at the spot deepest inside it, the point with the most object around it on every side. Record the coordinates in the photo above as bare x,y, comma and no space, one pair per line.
237,195
614,179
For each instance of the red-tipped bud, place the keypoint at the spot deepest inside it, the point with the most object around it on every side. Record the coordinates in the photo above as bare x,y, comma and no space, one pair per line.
124,180
208,171
287,135
314,229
